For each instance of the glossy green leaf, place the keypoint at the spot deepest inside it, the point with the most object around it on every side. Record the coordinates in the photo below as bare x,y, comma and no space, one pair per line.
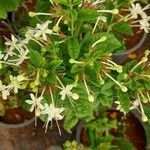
73,47
123,27
36,59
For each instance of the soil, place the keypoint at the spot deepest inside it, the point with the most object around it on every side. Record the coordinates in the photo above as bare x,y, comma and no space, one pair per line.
26,7
16,115
4,32
134,130
29,137
131,41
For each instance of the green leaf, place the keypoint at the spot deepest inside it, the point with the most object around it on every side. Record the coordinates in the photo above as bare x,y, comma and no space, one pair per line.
70,122
123,27
123,144
51,78
105,100
76,68
8,6
73,47
147,84
109,45
68,2
54,64
125,101
87,14
107,89
36,59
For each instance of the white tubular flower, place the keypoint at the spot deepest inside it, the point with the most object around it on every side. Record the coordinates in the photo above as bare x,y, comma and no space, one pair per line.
12,44
135,104
42,30
113,11
35,103
143,117
19,45
1,55
136,10
21,57
122,87
144,24
90,96
66,91
5,91
52,113
16,82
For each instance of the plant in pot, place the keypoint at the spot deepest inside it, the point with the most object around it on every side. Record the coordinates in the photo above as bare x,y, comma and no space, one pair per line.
62,67
109,131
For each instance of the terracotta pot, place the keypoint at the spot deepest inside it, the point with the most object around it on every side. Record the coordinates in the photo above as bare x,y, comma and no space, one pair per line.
122,56
134,132
27,136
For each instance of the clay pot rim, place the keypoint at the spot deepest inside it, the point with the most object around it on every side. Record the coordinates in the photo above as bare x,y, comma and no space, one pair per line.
134,48
18,125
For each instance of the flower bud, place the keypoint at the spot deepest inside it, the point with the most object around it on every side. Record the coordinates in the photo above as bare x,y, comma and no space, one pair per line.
123,88
144,118
91,98
144,59
23,86
147,52
119,68
144,99
56,28
32,14
75,96
72,61
35,89
32,85
115,11
65,21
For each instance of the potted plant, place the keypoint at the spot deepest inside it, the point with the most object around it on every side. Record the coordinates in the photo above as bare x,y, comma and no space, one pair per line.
61,69
110,131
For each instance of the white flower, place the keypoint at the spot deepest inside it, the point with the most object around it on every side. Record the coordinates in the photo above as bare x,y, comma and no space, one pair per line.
119,107
5,91
16,82
135,104
1,55
11,43
66,91
21,57
35,103
136,10
52,113
144,24
90,96
42,30
19,45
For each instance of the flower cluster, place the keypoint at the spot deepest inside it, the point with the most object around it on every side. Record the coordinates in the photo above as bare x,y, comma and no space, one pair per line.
137,12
